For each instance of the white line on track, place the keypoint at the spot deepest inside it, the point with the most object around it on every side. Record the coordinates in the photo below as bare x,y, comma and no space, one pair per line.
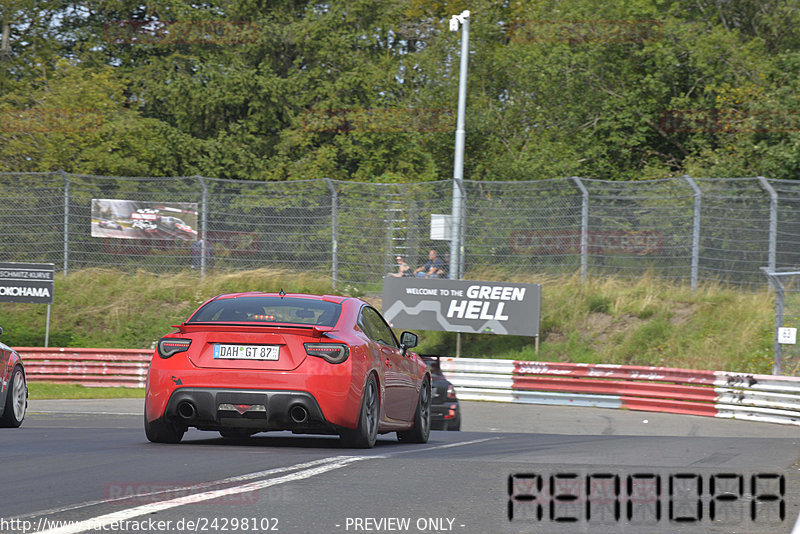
446,446
94,523
191,487
302,471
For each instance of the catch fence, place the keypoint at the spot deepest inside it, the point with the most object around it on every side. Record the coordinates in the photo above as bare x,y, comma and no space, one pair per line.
685,229
787,321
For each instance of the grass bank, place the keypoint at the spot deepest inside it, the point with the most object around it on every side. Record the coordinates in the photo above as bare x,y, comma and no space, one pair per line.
48,390
647,321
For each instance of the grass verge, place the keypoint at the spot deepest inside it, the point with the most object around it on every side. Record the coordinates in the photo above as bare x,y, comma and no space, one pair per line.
51,390
642,321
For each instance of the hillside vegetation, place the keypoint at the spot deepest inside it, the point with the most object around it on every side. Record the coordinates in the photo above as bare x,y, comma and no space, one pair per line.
366,91
643,322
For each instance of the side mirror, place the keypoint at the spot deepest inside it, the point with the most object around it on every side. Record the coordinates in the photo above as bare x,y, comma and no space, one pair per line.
408,340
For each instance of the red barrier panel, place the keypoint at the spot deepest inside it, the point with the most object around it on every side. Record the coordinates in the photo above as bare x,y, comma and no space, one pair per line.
628,372
615,387
667,406
654,389
88,367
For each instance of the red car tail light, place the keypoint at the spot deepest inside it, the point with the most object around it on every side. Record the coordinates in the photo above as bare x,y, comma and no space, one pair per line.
330,352
169,346
451,392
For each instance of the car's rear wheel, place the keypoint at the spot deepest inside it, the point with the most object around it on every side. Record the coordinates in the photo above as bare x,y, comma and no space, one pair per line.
16,400
365,435
422,418
160,431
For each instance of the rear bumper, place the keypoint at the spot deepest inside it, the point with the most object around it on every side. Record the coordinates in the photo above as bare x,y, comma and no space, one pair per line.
444,415
328,390
256,410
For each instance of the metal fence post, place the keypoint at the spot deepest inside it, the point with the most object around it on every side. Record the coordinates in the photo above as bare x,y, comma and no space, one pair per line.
773,221
698,199
777,348
203,227
584,227
66,220
334,231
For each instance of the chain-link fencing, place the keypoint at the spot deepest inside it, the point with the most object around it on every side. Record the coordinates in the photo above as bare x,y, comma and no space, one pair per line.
686,229
787,321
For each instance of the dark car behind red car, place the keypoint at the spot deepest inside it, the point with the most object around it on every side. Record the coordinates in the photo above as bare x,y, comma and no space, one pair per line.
445,410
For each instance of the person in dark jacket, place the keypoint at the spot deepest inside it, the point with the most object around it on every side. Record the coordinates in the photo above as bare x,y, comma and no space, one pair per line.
433,268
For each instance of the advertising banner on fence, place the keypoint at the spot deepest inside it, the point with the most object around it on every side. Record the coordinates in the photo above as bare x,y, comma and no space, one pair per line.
27,282
134,219
462,306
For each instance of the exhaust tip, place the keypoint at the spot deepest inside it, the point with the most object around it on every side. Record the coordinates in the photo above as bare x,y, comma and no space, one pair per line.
298,414
186,410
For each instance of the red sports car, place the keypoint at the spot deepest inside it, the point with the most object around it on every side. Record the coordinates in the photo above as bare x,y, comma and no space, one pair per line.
250,362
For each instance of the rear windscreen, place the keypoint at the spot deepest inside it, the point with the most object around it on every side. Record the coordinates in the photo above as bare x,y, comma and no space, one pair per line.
267,310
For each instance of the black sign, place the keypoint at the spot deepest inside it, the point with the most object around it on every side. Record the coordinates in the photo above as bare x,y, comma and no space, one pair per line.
26,282
462,306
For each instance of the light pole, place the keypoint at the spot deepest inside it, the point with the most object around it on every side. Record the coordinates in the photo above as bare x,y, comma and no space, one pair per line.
456,239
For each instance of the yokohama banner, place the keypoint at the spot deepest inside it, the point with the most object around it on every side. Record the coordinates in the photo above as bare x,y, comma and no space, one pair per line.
462,306
26,282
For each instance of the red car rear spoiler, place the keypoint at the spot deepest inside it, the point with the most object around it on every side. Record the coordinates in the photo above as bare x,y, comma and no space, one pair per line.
316,331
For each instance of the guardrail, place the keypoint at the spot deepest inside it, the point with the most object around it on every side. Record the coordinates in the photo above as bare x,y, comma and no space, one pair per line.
656,389
753,397
87,367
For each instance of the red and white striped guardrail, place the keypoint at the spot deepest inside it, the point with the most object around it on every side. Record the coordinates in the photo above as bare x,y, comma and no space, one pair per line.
657,389
87,367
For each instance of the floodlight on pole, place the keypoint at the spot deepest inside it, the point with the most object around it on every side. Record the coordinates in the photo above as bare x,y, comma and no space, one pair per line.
456,238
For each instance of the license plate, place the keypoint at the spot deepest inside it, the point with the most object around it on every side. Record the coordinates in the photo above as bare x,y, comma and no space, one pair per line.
246,352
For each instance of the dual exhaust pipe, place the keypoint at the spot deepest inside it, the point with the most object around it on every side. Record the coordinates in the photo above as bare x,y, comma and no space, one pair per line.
187,412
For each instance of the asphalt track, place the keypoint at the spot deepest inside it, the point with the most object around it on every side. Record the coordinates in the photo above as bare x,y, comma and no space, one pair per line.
78,465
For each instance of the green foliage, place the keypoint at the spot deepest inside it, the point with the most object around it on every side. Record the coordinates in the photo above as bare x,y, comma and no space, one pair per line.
598,303
359,90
